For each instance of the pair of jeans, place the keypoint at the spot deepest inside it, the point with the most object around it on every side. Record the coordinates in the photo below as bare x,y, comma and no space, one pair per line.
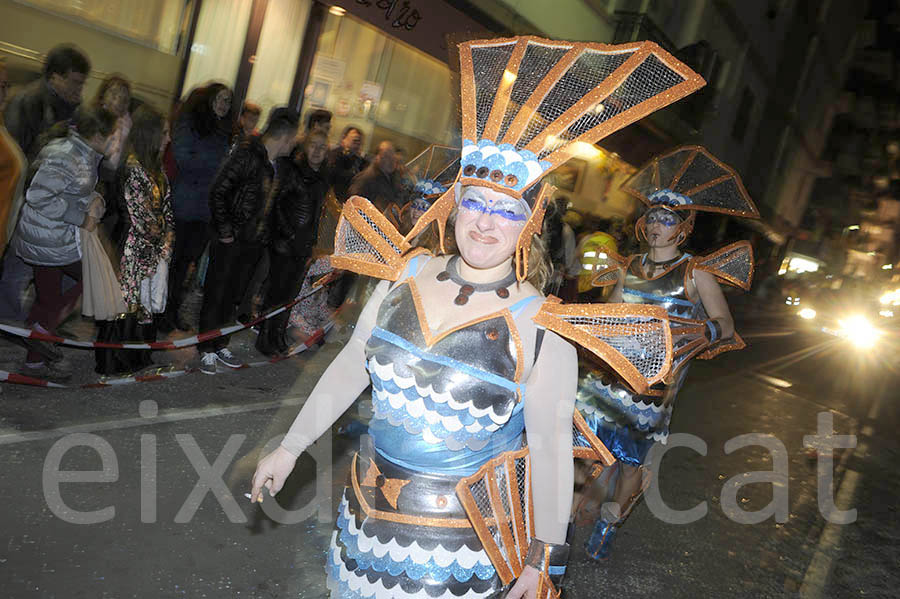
230,268
52,304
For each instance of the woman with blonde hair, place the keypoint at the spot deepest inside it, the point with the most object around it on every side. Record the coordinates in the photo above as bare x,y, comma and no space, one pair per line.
465,355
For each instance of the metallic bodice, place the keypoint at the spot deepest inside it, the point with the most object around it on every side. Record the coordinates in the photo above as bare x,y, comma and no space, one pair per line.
447,403
666,290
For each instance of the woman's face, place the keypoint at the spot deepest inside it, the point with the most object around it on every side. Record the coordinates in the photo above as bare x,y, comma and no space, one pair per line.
115,99
488,224
222,103
166,138
660,226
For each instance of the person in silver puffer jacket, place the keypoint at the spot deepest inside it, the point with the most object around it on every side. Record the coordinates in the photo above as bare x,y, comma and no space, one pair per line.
48,237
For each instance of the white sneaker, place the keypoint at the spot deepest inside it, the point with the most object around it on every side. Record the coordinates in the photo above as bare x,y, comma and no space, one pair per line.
228,359
208,363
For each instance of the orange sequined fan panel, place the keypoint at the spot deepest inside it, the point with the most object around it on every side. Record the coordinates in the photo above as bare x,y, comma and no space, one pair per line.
633,339
367,243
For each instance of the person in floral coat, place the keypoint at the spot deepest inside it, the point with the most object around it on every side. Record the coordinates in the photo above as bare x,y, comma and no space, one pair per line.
148,247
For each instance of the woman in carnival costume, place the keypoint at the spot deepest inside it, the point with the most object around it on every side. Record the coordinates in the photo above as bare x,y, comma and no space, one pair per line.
464,354
674,186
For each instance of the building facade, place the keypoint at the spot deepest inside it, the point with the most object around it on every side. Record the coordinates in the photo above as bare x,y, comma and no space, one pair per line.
775,72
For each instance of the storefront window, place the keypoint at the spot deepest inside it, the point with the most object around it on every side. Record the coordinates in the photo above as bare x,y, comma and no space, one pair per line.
218,43
278,53
155,22
385,88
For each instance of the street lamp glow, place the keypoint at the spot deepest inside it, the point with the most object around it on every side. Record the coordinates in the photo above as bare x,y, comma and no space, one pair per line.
853,228
807,313
887,267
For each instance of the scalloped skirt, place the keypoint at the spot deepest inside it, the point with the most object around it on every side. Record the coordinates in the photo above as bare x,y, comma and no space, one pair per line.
402,534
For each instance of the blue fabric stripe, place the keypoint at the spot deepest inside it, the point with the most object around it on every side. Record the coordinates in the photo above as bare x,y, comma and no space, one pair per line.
658,298
556,570
477,373
520,305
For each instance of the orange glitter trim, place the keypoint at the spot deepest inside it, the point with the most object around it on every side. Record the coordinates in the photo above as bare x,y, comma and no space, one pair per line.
503,523
390,488
597,450
750,212
552,316
713,263
481,524
532,227
431,339
733,344
439,213
402,518
388,253
522,536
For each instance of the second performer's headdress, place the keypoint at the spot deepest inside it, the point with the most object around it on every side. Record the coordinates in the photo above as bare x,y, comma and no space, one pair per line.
685,181
433,172
527,104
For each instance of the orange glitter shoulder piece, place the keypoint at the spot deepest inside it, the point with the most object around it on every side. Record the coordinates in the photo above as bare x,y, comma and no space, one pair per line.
733,264
606,271
633,339
367,243
438,214
720,347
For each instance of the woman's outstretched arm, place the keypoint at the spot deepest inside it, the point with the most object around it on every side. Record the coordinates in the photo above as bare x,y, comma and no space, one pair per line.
337,389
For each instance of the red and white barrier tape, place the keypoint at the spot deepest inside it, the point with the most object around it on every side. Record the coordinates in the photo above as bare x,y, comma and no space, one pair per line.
172,344
21,379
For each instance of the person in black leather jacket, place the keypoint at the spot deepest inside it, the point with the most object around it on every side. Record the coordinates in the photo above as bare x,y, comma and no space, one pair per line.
300,190
240,201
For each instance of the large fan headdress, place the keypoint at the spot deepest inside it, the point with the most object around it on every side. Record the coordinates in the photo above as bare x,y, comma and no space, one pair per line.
690,178
687,180
433,172
528,102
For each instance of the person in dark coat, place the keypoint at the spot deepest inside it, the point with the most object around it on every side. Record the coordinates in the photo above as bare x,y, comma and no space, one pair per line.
345,162
28,116
299,196
49,100
200,142
240,201
377,182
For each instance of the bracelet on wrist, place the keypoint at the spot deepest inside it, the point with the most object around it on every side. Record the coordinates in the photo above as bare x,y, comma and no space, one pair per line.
548,557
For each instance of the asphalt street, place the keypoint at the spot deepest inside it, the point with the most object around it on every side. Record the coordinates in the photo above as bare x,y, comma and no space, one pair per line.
161,468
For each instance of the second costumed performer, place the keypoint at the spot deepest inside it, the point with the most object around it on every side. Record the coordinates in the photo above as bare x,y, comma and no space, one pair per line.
446,499
674,187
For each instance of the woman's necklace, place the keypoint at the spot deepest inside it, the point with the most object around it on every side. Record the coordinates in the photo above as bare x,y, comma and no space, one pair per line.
663,262
662,265
451,271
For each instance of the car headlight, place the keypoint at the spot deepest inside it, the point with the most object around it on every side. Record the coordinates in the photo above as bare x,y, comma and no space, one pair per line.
859,331
807,313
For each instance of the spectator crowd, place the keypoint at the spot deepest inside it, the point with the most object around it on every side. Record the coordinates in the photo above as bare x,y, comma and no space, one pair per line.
112,206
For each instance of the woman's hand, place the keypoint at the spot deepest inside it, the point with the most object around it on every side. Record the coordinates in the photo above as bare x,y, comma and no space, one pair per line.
90,223
526,585
271,472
